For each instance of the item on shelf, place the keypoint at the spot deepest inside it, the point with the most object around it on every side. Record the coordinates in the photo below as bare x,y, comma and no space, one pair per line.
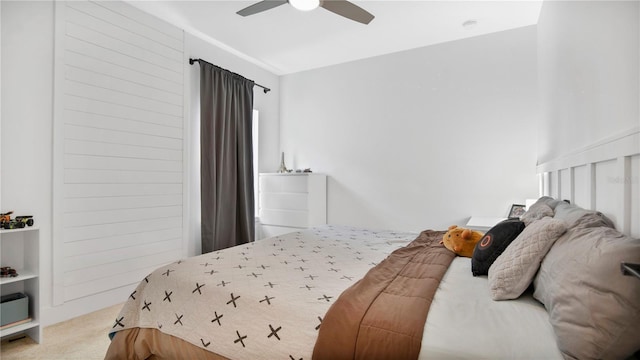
5,218
25,219
8,271
19,222
13,308
307,170
283,168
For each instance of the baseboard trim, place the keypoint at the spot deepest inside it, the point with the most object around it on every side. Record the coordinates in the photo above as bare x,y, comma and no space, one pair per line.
78,307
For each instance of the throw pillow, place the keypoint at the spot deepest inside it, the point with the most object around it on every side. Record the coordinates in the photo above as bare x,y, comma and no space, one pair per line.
593,308
536,211
513,271
493,243
573,215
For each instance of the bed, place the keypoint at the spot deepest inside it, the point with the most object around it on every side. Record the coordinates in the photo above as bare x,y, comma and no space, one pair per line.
306,295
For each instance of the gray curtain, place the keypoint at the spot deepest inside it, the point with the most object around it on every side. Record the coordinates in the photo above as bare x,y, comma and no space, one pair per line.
226,158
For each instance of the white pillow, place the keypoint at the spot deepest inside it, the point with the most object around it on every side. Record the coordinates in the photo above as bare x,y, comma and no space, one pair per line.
515,268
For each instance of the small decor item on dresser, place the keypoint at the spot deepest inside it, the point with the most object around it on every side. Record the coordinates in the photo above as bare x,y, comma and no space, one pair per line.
283,169
516,211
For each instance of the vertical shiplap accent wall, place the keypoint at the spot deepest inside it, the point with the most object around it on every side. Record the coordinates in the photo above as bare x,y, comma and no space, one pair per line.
118,147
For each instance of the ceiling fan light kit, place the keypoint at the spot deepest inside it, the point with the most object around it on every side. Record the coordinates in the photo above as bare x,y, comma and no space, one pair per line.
305,5
343,8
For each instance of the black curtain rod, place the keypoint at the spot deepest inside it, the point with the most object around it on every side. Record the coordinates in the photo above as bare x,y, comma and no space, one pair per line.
191,61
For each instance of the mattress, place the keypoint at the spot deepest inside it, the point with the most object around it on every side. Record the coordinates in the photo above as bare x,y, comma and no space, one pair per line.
464,323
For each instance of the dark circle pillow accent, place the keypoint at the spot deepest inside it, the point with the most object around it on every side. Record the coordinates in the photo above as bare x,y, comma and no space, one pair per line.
493,243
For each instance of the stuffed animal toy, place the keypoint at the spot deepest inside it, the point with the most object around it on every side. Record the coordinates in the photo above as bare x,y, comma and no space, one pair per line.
461,241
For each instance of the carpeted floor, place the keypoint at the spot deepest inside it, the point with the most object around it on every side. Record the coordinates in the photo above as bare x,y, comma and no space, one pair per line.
82,338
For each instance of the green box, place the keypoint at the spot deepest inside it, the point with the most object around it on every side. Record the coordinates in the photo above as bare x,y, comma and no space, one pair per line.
13,307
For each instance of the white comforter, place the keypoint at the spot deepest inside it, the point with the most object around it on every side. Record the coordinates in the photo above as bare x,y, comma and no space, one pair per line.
263,300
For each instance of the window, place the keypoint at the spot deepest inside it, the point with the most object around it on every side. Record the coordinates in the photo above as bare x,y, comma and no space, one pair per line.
255,142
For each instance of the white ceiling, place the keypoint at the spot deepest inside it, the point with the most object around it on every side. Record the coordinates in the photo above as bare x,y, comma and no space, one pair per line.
284,40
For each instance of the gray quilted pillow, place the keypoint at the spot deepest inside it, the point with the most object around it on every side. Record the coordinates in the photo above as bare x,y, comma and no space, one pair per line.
512,272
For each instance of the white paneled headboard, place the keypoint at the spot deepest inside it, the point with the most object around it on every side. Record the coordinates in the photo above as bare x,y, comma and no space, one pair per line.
604,176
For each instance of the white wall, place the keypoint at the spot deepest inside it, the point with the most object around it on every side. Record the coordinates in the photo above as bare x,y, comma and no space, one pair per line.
588,57
589,76
423,138
27,102
26,131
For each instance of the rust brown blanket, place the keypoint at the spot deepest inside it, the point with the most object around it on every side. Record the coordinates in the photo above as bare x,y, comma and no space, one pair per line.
382,316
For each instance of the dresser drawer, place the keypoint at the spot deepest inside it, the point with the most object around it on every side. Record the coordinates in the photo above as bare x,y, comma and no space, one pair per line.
284,201
284,183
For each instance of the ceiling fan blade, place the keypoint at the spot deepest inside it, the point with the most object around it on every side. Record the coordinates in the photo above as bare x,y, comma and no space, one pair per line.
348,10
260,7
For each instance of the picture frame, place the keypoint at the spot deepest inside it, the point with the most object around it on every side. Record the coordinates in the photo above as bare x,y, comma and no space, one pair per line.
517,210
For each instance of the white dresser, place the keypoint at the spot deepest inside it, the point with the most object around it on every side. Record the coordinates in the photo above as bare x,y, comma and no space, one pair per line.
290,202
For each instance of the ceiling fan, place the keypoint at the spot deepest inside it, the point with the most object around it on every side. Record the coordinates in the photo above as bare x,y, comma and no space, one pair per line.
340,7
